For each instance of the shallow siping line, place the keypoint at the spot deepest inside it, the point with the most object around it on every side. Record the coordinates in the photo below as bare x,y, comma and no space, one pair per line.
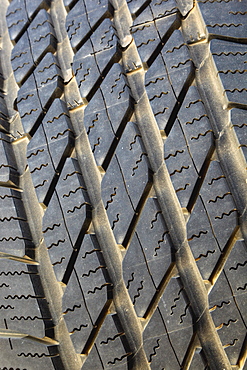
47,282
167,198
92,178
215,101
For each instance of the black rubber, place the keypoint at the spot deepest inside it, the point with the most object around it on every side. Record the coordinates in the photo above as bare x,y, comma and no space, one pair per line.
123,189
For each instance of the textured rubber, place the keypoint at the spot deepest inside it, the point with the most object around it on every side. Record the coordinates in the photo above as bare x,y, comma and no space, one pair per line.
123,190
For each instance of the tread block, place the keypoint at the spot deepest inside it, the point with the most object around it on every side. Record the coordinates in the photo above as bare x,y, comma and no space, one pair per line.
177,59
104,42
163,8
179,164
196,126
12,241
117,114
93,360
16,18
95,283
48,78
111,344
15,224
34,6
69,4
197,361
20,12
76,314
154,12
112,183
86,72
137,278
34,357
232,17
21,59
114,87
100,133
134,5
175,311
133,161
92,4
19,301
157,345
235,269
153,238
77,7
77,25
94,262
230,327
40,164
15,236
219,203
159,92
146,38
220,289
56,237
239,122
28,104
32,46
3,108
41,44
144,17
230,59
73,199
202,241
160,353
174,307
227,55
228,312
58,131
8,169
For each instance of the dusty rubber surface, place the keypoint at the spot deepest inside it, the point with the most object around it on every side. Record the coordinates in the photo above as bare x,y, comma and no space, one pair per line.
123,184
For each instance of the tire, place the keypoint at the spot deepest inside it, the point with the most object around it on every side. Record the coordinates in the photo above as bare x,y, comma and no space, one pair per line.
123,184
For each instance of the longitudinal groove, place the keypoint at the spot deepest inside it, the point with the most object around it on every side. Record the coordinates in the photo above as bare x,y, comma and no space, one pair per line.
224,255
179,102
172,212
160,290
92,178
194,343
137,214
201,177
216,104
47,282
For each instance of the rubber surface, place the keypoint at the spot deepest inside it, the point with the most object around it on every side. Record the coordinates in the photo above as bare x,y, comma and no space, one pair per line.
123,184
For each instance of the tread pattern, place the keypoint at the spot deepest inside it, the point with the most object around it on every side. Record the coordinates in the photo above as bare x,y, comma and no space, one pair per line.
125,226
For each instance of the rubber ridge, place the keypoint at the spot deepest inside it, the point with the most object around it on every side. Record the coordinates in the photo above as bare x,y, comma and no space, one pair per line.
172,212
91,174
217,107
34,213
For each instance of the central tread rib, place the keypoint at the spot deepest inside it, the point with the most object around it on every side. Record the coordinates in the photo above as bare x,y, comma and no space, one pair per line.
172,212
217,107
91,174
